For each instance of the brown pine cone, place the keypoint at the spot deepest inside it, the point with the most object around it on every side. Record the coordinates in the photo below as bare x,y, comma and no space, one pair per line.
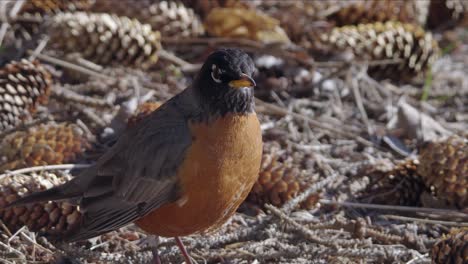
400,186
42,145
451,250
370,11
444,168
106,39
50,217
171,18
23,86
447,13
279,182
409,43
54,6
34,12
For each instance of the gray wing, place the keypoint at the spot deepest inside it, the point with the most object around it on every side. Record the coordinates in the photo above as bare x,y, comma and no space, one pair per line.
137,175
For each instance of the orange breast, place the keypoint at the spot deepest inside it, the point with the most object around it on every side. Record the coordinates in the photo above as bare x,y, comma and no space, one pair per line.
217,174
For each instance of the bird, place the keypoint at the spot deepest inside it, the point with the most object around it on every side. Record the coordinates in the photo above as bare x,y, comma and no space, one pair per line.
180,170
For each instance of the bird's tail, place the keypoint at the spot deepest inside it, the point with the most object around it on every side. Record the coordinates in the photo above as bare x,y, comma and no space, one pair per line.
56,193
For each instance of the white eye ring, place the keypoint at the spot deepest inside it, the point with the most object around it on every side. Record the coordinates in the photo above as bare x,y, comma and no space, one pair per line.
215,72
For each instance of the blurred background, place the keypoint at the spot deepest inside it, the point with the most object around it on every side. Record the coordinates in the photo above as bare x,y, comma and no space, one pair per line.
363,105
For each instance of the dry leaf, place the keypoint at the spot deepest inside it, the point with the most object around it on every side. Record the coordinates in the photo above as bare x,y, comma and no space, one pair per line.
244,23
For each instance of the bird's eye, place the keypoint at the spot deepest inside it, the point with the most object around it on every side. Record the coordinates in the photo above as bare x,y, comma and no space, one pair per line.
216,73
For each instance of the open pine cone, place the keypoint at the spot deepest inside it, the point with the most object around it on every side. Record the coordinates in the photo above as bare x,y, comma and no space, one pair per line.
413,49
49,217
34,12
447,13
54,6
453,249
23,86
279,182
42,145
370,11
444,167
171,18
106,39
400,186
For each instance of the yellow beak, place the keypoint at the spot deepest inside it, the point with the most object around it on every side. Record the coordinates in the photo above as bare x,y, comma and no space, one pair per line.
244,81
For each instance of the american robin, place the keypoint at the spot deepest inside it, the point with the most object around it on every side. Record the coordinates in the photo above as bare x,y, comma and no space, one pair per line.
183,169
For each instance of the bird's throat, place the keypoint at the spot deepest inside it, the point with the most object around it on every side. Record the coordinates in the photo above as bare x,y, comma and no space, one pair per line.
235,101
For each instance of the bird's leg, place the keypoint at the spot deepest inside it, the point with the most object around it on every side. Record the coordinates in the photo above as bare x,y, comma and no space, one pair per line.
188,259
152,241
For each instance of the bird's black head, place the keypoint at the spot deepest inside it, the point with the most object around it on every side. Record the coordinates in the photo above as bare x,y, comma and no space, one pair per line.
225,82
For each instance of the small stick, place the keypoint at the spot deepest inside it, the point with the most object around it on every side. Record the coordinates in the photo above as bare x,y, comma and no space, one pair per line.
25,126
427,221
45,168
89,114
311,190
396,208
283,112
69,95
35,243
39,48
174,59
310,235
69,65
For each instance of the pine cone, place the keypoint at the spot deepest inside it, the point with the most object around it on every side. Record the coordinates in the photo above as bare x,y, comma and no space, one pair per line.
452,249
444,167
416,49
106,39
33,13
400,186
54,6
50,217
42,145
279,182
23,86
171,18
244,23
370,11
447,13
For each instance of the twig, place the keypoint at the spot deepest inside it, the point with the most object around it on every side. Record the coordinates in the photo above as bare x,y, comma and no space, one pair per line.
5,228
415,260
89,114
353,82
69,65
19,253
310,235
44,168
69,95
39,48
283,112
35,243
291,204
247,45
174,59
25,126
427,221
13,12
396,208
16,234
